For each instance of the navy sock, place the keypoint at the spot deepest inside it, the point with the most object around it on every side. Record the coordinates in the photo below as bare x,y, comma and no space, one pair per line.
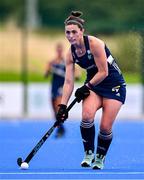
88,135
104,141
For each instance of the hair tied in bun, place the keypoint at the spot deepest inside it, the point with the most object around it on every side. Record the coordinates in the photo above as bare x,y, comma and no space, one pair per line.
76,13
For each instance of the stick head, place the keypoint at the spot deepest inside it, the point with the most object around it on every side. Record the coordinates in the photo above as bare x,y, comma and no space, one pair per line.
19,161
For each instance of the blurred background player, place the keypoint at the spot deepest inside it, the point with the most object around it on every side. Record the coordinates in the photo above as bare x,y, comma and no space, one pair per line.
56,68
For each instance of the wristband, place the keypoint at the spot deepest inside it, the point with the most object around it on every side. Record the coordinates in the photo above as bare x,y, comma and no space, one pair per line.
90,85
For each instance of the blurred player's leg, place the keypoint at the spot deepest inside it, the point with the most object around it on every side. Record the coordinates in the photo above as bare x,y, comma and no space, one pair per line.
60,131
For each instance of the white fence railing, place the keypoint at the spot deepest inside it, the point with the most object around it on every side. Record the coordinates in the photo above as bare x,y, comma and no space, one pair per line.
39,102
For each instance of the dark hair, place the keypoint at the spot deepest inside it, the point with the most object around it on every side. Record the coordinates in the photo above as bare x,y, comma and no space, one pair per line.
74,18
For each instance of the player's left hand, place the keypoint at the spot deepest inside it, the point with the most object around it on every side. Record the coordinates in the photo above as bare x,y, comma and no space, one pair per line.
82,93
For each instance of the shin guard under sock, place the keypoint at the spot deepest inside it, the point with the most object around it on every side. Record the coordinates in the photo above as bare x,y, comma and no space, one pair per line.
88,135
104,141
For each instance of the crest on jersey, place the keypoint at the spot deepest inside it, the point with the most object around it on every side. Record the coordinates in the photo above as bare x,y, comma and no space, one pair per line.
89,54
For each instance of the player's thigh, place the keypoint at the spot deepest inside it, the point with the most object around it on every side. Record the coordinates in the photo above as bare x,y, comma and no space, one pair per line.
90,105
111,107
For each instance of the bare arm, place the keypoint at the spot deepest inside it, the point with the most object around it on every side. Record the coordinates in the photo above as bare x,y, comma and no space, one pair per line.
69,79
97,49
47,69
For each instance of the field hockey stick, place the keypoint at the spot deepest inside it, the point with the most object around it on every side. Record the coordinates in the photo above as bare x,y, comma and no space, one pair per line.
42,140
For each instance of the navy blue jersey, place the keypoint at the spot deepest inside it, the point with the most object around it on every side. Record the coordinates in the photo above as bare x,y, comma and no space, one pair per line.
113,86
58,76
87,62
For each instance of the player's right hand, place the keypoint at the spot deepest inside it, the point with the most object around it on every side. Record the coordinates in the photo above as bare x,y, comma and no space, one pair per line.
62,114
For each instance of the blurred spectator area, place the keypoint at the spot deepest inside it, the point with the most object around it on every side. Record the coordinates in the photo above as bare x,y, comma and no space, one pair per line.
30,30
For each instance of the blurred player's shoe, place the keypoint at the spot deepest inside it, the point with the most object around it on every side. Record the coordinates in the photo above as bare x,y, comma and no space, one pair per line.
88,159
99,162
60,131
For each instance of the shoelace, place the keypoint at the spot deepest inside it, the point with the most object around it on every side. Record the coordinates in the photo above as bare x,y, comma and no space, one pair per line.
100,160
88,156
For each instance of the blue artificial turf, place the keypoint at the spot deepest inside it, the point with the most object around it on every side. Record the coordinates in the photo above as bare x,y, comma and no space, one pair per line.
60,158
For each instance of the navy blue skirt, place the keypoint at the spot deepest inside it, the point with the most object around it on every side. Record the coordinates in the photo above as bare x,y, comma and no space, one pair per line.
116,92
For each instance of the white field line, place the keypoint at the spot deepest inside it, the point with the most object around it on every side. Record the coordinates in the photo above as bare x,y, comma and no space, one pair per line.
71,173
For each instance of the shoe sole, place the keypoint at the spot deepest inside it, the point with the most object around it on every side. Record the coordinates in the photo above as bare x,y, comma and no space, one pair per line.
96,168
86,165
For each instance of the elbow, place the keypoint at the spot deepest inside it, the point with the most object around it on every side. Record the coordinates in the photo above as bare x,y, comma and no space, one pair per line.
105,74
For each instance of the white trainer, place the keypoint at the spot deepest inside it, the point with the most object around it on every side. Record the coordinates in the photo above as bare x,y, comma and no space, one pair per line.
88,159
99,162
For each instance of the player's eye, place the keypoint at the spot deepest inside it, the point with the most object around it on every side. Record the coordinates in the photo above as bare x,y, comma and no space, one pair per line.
67,32
74,32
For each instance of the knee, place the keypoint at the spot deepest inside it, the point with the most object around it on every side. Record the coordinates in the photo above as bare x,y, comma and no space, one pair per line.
87,115
104,127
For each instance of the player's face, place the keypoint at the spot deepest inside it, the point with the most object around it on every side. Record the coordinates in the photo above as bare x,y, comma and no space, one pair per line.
74,34
59,49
